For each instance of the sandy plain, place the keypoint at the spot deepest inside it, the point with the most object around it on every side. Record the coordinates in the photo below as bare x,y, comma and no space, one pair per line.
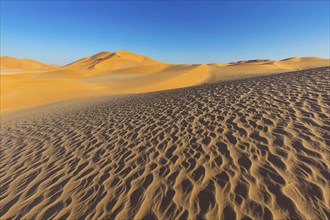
253,148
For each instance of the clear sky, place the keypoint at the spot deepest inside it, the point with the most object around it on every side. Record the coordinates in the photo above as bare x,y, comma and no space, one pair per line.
60,32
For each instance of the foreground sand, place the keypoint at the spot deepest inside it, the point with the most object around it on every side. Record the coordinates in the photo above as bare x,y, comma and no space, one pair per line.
253,148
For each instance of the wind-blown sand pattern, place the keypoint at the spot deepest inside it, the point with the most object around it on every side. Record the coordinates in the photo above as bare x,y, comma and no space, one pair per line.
256,148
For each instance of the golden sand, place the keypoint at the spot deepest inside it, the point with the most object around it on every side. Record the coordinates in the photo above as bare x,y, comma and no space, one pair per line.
254,148
27,83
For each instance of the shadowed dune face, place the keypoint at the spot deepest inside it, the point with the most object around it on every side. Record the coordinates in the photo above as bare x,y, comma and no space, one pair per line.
250,149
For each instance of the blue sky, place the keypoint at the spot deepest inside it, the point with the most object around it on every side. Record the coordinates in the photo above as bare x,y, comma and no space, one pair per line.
60,32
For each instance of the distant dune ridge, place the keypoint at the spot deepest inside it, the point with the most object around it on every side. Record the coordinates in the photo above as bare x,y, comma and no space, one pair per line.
14,63
26,83
254,148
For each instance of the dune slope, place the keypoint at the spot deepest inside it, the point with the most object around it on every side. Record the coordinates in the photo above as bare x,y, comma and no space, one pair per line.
254,149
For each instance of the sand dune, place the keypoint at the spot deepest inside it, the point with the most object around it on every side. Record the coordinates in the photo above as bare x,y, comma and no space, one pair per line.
21,64
251,68
255,148
112,61
122,72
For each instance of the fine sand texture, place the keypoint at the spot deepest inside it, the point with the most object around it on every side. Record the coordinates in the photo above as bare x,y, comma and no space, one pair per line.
255,148
27,83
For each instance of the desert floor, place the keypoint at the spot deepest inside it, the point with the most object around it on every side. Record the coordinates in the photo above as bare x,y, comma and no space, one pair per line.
255,148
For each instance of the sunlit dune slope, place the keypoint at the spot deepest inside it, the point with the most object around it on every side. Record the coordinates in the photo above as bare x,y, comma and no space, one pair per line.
122,72
20,93
168,78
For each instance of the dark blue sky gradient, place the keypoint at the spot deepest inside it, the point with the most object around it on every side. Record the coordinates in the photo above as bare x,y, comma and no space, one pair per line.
177,31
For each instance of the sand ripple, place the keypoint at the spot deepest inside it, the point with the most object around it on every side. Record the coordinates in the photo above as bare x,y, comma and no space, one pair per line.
247,149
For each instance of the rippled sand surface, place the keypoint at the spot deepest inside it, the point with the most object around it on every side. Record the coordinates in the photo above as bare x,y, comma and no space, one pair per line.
247,149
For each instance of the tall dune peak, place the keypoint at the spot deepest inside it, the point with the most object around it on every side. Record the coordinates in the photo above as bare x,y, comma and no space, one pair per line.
105,60
102,54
